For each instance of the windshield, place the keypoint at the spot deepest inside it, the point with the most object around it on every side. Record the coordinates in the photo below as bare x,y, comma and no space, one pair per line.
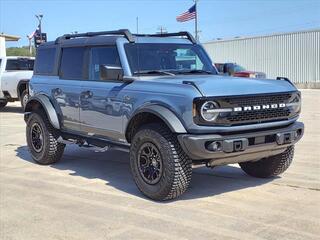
238,68
19,64
157,58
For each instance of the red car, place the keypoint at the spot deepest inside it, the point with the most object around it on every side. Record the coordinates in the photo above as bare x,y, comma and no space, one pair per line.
235,70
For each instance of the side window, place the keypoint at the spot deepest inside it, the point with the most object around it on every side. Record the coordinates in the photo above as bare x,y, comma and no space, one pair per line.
102,56
72,63
45,61
19,64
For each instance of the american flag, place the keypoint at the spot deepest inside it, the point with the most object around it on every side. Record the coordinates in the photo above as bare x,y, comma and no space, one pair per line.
35,33
188,15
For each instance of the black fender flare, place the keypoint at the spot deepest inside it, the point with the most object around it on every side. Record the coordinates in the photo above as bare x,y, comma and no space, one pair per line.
46,104
169,118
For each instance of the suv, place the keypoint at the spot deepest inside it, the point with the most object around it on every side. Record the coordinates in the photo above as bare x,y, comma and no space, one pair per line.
160,98
15,73
235,70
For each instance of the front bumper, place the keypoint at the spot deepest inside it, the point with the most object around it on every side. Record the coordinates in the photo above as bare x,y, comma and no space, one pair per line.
240,147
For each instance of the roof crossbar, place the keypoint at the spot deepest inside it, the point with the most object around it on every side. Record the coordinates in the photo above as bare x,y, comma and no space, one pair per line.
125,32
177,34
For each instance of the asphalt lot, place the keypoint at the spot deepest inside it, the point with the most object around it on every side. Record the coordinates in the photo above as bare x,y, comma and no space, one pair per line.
91,195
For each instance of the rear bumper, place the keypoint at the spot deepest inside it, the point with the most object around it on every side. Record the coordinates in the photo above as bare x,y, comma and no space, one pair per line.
234,148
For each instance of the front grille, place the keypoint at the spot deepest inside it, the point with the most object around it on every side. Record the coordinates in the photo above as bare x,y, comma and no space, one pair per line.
259,115
253,116
257,100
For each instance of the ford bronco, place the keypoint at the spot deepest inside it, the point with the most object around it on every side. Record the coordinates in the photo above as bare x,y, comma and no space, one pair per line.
160,98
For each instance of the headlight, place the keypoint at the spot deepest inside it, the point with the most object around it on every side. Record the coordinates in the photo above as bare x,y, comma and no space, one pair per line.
252,75
295,104
209,111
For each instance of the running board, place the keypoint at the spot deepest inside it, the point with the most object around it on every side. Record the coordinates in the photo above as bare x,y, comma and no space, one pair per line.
96,145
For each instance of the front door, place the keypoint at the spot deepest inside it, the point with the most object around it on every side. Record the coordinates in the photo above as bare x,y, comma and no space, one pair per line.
101,101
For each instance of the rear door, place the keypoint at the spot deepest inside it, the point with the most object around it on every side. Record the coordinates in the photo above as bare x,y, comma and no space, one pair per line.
101,103
67,92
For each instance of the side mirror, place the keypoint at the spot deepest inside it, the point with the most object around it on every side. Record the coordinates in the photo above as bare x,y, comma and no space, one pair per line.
110,72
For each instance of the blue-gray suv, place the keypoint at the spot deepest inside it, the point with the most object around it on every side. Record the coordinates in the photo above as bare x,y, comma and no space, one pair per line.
159,97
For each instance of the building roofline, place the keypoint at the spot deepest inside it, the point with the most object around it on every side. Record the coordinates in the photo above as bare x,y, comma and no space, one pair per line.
262,36
9,37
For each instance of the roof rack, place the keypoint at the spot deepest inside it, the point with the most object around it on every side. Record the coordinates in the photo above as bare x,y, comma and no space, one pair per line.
177,34
125,32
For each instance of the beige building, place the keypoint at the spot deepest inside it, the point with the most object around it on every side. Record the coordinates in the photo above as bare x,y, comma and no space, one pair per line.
295,55
3,39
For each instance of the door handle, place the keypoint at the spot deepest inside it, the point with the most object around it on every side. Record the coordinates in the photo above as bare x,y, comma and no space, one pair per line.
87,94
126,98
56,91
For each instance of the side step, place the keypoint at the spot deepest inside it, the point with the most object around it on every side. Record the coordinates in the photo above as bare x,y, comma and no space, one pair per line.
96,145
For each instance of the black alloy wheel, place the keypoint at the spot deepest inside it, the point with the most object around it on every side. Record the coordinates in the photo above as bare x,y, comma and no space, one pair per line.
37,137
150,163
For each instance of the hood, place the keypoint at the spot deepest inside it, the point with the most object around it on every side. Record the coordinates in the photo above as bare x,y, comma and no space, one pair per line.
217,85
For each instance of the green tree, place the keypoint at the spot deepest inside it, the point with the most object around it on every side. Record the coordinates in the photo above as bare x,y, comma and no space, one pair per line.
20,51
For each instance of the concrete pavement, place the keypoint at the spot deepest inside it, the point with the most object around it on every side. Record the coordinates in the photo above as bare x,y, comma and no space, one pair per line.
91,195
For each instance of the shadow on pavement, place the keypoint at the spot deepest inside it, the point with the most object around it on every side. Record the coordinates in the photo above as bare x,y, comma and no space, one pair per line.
114,168
12,109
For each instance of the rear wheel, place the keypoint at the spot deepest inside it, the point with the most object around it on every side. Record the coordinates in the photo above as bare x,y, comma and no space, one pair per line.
42,139
24,97
159,166
270,166
3,104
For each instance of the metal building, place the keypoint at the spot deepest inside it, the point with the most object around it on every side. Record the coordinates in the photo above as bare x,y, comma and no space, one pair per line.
295,55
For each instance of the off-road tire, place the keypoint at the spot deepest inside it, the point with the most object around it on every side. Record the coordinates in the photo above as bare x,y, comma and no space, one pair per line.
3,104
52,150
23,98
271,166
177,166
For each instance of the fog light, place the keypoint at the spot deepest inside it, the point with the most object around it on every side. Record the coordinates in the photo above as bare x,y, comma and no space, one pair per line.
297,133
214,146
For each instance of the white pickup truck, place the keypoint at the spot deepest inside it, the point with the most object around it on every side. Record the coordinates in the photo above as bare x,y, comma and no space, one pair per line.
15,73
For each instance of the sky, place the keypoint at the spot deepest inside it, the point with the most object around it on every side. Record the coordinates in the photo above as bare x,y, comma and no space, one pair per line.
216,18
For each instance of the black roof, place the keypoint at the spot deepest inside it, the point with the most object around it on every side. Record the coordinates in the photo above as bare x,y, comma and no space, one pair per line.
107,37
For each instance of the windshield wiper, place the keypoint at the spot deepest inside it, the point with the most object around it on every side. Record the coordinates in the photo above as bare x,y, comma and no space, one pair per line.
194,71
154,72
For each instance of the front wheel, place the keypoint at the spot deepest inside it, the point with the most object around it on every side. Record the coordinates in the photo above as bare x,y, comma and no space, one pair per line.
42,139
270,166
159,166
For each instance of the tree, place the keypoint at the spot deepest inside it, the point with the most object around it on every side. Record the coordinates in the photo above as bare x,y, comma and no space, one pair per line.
20,51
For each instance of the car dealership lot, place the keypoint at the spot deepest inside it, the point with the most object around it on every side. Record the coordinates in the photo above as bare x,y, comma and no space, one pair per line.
91,195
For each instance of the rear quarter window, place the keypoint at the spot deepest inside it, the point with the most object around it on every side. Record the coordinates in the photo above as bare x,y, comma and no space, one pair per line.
45,61
72,63
19,64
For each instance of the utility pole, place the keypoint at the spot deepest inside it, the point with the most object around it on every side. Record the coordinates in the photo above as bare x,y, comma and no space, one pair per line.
162,30
30,46
137,24
39,17
196,20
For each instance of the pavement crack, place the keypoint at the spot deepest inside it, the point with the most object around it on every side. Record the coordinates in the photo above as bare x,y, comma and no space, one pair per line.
296,186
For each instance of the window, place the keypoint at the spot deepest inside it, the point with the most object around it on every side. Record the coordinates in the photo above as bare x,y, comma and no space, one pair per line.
19,64
72,66
45,61
102,56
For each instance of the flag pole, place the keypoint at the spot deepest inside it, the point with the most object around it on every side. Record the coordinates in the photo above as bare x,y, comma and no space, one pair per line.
196,21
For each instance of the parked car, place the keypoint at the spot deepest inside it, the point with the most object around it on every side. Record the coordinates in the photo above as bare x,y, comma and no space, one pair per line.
235,70
15,73
170,108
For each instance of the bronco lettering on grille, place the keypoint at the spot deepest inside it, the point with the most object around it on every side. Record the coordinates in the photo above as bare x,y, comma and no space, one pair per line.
258,107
